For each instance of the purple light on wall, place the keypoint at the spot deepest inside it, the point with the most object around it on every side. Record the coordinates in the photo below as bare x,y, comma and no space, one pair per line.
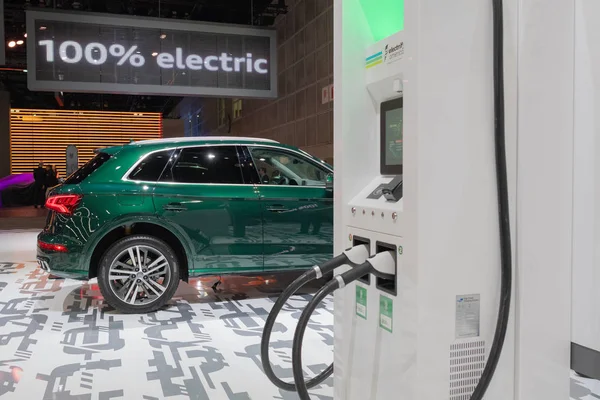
11,180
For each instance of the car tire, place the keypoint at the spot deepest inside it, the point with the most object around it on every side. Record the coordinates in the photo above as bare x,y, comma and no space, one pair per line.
123,293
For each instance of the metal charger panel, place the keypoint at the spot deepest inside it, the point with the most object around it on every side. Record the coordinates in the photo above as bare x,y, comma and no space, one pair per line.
102,53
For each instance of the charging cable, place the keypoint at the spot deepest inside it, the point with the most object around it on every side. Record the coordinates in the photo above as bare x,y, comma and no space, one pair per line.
503,207
382,265
354,256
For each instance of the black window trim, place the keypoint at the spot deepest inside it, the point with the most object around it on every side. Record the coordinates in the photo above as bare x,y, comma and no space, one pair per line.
247,156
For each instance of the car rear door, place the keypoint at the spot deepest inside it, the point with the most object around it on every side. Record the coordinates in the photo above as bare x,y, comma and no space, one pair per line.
203,192
297,208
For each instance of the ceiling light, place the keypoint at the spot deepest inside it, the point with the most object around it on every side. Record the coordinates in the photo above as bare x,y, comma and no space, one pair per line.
25,35
154,54
42,28
19,42
12,43
163,36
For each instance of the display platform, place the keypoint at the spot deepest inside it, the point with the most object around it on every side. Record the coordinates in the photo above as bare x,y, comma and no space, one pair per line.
18,218
60,342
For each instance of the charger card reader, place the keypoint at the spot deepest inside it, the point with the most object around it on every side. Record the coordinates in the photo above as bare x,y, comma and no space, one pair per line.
393,190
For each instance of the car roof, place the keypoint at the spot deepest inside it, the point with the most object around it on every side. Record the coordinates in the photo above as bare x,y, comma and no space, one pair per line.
157,144
203,139
153,144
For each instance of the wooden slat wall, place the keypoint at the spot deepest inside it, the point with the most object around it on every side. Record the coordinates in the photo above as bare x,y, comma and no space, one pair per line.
43,135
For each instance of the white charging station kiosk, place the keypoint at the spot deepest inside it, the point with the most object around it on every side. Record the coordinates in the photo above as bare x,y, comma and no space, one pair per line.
585,351
420,105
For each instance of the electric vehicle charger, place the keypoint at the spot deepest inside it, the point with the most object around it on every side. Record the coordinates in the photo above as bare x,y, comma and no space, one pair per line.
354,256
382,265
505,238
355,273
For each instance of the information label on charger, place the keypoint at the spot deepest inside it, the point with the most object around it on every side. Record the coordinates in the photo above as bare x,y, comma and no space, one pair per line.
386,313
361,301
468,316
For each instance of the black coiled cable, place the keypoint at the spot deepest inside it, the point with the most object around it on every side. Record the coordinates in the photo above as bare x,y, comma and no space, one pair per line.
325,291
308,276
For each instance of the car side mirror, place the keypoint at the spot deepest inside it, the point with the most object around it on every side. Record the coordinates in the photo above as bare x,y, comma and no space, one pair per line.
329,182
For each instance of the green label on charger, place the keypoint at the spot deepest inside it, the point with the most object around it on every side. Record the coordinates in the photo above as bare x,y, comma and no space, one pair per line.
386,313
361,301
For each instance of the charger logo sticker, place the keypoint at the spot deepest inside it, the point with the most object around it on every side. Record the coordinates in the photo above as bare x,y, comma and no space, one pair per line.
389,55
374,60
393,53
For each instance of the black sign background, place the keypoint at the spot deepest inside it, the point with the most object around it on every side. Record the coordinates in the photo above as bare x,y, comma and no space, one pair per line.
105,53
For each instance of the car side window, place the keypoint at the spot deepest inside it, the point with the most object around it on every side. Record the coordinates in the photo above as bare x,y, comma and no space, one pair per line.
206,164
151,167
279,167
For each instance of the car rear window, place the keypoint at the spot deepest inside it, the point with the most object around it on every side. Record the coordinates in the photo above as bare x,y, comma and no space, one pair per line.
151,167
87,169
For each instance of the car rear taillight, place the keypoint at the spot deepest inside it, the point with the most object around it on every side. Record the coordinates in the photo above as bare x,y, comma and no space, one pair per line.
59,248
63,203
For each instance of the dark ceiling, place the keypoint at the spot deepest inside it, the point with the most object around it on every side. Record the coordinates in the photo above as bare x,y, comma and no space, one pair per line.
245,12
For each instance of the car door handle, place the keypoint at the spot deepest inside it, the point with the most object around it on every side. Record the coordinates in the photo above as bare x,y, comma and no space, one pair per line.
276,208
177,207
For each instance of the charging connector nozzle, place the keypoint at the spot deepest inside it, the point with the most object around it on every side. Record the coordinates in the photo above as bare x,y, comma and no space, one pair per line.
384,264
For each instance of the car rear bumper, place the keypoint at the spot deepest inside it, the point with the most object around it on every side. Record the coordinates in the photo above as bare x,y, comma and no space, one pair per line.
65,264
43,264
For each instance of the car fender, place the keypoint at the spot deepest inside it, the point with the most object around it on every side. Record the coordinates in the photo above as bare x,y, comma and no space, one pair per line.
131,219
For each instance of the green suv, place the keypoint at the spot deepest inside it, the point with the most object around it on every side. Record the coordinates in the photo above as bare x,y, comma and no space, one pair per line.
142,216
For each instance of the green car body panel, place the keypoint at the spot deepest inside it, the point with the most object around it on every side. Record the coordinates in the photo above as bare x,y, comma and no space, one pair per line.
219,228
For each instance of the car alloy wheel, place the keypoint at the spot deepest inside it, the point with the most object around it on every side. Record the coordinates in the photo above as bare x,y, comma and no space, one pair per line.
139,275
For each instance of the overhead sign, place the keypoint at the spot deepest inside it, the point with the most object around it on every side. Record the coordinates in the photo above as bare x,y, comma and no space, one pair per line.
100,53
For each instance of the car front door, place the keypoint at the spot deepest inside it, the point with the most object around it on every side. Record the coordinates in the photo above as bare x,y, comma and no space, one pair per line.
204,193
297,208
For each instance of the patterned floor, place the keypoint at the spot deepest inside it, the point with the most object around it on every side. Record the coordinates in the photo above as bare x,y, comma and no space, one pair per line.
60,342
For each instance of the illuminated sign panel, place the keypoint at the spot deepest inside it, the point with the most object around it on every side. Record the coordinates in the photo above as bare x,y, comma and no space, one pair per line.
45,135
99,53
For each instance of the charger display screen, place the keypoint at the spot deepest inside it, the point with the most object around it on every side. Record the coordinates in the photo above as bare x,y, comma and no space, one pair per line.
391,137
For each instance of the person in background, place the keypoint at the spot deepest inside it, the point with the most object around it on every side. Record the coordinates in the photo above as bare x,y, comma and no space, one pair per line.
51,178
264,178
39,176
